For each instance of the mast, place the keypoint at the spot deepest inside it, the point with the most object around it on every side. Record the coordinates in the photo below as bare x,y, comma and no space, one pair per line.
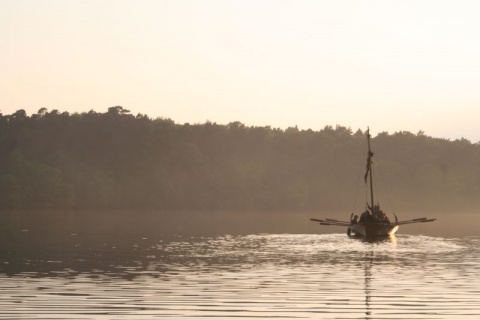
369,168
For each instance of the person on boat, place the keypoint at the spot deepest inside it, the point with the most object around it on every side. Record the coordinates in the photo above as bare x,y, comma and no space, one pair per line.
379,215
373,213
366,216
385,218
363,216
354,220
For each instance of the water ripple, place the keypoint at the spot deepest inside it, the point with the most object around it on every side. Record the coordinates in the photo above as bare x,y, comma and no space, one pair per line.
279,276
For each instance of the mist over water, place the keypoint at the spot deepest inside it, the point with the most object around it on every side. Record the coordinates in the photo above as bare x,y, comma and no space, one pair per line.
113,271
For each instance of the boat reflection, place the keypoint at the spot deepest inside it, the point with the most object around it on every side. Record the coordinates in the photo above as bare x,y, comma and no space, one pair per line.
370,258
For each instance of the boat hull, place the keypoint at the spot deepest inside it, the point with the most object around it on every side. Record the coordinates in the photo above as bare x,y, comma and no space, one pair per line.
372,229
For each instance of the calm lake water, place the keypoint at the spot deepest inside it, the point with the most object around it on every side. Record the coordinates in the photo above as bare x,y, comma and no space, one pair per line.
307,276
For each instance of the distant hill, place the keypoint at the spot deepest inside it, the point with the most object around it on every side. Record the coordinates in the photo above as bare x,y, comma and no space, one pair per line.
115,160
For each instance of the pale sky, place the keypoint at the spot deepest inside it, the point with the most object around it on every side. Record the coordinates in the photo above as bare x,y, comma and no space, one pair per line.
392,65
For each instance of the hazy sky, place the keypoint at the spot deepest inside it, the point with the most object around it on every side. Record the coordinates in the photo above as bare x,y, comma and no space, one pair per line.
391,65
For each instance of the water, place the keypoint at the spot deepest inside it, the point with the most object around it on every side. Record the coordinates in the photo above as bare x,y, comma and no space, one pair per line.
280,276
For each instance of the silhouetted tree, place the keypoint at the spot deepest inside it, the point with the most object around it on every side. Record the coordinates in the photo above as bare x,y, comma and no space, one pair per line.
115,160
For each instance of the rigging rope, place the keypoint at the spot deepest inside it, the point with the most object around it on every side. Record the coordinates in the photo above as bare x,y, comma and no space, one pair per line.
356,191
385,186
361,167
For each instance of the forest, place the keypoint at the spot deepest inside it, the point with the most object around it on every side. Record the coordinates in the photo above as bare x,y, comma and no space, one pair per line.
118,161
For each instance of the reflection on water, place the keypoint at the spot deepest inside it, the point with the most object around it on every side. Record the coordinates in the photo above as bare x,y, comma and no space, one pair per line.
258,276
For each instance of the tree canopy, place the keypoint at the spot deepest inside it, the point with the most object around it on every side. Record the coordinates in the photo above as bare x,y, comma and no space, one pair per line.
115,160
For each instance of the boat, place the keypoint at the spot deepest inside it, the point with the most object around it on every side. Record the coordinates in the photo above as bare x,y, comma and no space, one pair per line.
373,222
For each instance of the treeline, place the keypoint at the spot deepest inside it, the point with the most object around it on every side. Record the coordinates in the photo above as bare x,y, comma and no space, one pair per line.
115,160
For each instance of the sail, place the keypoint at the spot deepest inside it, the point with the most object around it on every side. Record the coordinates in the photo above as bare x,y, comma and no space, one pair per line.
369,165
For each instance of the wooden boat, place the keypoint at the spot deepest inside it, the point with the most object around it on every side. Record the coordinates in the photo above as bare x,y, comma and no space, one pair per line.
372,222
